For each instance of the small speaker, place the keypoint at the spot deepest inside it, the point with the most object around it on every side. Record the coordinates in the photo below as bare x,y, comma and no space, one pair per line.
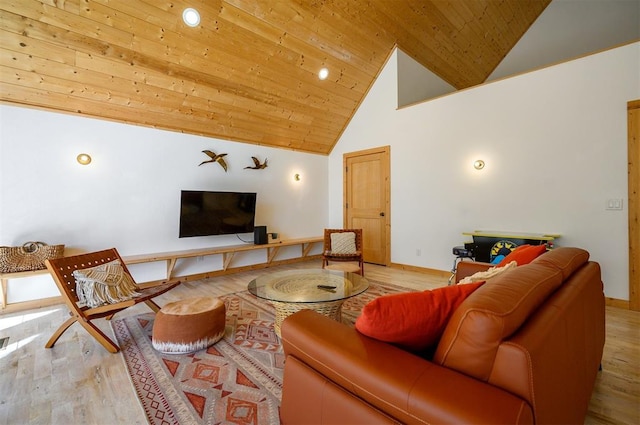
260,235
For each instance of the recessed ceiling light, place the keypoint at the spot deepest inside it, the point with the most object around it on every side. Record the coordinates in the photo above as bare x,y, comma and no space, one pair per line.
323,74
191,17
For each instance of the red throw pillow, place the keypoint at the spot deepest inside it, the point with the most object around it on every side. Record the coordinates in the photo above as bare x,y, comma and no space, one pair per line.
524,254
413,320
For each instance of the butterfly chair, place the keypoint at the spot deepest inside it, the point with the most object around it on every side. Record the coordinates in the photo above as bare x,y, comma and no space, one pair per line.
62,271
343,246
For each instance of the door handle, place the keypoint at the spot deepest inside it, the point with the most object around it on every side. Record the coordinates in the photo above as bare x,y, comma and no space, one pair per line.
382,214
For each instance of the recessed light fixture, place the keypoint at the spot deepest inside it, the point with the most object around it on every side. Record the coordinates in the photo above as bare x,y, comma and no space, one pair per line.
478,164
191,17
323,73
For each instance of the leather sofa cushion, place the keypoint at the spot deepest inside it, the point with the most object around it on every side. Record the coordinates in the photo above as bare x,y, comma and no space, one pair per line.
499,308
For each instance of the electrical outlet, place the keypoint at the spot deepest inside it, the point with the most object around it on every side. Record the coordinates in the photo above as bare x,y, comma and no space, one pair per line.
199,259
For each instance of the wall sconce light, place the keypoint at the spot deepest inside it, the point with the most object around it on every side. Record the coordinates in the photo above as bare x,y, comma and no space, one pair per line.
478,164
191,17
83,159
297,177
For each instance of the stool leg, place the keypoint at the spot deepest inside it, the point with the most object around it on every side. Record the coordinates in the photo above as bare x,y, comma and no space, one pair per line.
453,269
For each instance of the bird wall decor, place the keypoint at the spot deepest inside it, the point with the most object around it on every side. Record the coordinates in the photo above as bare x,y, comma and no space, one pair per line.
215,158
257,165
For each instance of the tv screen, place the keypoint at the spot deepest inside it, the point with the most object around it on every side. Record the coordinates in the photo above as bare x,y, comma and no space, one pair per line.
216,213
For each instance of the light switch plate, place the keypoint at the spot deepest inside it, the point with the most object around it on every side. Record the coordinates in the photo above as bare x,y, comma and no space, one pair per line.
614,204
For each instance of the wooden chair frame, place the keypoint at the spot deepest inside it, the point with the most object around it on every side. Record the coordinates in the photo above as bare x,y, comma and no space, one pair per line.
328,256
62,269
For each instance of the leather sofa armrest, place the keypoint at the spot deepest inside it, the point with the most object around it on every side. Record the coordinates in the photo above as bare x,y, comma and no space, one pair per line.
468,268
394,381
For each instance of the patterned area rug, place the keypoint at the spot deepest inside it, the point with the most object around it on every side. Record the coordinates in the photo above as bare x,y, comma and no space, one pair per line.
236,381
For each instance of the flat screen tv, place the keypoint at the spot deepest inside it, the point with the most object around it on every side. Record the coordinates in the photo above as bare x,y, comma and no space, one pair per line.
216,213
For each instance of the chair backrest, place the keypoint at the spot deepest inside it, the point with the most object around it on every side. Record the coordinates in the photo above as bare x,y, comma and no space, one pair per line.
328,232
62,270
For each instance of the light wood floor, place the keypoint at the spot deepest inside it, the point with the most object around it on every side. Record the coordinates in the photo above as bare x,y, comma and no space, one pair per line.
79,382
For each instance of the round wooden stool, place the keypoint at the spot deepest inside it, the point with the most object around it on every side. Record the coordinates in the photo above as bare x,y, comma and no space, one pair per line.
188,325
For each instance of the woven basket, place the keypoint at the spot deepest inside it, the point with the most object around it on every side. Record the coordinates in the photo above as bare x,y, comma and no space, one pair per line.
28,257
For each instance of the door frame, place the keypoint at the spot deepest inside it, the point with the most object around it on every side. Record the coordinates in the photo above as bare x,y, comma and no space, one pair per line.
633,149
385,152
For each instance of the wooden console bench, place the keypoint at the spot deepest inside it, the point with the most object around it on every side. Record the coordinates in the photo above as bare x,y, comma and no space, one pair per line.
24,305
227,253
171,259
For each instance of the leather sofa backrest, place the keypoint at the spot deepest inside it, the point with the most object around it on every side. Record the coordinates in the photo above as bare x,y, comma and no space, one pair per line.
498,309
567,260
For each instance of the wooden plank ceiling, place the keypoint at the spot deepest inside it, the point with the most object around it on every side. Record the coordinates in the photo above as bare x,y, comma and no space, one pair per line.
248,72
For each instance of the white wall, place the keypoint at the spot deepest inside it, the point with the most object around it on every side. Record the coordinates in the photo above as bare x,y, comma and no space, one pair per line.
553,36
555,145
554,141
128,197
416,83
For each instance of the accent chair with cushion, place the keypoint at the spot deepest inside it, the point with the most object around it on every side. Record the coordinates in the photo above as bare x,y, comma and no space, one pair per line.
344,247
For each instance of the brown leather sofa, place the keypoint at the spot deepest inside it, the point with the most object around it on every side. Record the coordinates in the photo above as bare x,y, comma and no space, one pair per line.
523,348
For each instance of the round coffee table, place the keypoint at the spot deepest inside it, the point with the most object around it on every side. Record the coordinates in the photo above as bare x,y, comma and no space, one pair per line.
320,290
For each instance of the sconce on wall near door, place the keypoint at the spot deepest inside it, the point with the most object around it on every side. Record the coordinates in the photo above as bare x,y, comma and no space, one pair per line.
478,164
297,177
83,159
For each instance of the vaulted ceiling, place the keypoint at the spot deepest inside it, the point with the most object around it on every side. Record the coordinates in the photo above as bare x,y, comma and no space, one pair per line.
249,71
